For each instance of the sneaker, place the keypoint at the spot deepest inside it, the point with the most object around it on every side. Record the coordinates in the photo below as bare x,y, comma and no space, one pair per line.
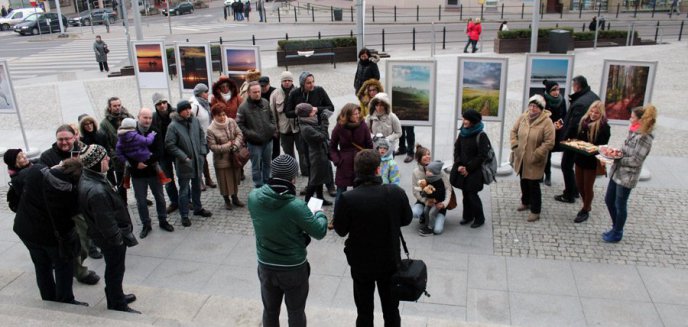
533,217
408,159
613,236
564,198
186,222
172,208
425,231
582,216
203,213
91,279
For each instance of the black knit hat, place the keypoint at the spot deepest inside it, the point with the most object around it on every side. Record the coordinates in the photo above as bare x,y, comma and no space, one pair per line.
472,116
284,167
549,85
92,155
303,109
10,158
183,105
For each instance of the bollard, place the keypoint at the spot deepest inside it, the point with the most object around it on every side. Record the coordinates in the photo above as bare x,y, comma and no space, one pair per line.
599,11
351,33
618,7
609,26
319,35
414,39
373,10
461,11
502,16
523,7
654,5
395,13
482,6
417,12
383,40
187,40
656,31
352,13
444,37
279,16
221,40
286,36
557,25
635,11
439,13
583,29
296,18
253,38
331,13
680,31
542,10
580,10
312,14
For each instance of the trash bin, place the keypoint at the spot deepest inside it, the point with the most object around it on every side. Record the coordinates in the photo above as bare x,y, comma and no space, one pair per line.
338,12
559,41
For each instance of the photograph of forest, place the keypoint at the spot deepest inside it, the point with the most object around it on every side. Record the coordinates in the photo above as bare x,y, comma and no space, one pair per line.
626,88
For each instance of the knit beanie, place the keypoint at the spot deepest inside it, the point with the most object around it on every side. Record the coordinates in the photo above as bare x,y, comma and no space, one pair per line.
303,109
11,158
286,76
183,105
92,155
128,124
435,168
472,116
284,167
158,97
382,142
538,100
302,78
549,85
199,89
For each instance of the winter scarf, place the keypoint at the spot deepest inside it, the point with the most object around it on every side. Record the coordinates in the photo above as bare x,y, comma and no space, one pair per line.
475,129
282,186
634,127
553,102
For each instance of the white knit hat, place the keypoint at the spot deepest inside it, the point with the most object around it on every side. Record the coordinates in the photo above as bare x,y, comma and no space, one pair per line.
538,100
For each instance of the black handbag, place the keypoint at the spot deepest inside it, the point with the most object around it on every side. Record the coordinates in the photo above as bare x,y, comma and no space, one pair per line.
411,278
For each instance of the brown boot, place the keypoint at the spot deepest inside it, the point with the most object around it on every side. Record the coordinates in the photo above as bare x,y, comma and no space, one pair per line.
236,202
533,217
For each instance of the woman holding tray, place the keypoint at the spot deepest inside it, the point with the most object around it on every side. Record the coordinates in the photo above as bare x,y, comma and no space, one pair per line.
532,137
593,128
625,171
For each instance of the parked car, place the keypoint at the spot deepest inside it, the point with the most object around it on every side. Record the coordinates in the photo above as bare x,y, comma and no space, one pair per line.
180,9
16,17
40,24
93,16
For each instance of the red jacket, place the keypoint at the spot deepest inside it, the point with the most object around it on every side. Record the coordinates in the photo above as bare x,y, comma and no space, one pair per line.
474,31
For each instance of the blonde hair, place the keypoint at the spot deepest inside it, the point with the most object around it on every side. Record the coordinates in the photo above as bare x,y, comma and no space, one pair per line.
593,126
477,20
647,116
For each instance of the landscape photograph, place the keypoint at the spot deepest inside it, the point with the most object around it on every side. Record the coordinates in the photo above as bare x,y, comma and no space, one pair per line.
411,87
149,58
240,60
625,89
194,66
480,87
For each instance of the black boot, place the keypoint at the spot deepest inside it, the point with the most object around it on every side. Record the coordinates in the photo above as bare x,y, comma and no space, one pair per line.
228,202
236,202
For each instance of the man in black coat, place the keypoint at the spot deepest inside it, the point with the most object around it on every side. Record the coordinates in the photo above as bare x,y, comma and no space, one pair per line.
372,214
109,223
581,99
162,120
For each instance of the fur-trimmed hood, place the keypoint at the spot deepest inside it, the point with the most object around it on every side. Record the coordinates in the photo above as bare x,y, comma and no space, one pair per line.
362,95
232,88
380,97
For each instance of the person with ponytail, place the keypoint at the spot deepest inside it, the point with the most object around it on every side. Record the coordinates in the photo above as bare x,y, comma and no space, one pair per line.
594,129
625,171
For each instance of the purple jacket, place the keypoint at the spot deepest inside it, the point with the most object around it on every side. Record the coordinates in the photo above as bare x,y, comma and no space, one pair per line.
343,150
133,146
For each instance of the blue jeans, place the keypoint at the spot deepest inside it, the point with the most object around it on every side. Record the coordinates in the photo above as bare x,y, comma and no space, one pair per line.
184,195
171,187
418,209
292,285
261,156
141,185
617,203
439,216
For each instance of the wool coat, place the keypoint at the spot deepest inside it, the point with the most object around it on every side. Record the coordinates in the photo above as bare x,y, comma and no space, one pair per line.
636,147
366,70
471,153
99,49
256,121
222,140
343,150
315,136
530,144
278,100
186,140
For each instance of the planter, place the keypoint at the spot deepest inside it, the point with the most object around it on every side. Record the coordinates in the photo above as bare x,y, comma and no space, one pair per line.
601,43
343,54
523,45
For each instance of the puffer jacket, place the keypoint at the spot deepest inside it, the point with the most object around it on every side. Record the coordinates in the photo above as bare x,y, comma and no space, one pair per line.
186,140
234,101
105,213
133,146
363,97
278,101
256,121
279,222
222,140
386,124
530,143
474,31
626,171
366,70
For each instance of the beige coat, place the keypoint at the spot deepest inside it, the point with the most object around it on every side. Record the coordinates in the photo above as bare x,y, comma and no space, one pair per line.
277,101
530,144
221,139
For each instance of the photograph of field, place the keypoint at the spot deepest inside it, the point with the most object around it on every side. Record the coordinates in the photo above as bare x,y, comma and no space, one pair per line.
626,88
411,91
240,60
481,83
194,66
149,58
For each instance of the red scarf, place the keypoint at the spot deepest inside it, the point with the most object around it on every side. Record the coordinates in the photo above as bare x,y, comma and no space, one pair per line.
634,126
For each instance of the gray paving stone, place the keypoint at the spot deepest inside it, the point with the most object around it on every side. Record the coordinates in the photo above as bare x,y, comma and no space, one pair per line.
488,306
603,312
230,281
205,247
487,272
443,311
181,275
534,310
447,287
540,276
668,286
673,315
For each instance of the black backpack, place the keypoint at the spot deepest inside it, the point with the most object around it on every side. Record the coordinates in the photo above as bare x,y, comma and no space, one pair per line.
13,198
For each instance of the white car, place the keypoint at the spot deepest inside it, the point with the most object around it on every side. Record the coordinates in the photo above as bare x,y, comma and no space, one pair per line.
16,17
229,2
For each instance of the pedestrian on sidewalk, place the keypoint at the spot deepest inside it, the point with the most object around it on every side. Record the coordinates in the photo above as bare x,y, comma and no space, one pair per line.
366,69
283,225
625,171
247,10
101,50
675,7
314,135
288,127
259,7
258,126
473,30
372,215
106,20
200,108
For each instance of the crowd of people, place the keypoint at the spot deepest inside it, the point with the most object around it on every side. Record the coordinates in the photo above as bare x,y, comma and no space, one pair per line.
78,206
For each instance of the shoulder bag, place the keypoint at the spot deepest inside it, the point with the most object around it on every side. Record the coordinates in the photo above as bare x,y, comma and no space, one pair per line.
240,157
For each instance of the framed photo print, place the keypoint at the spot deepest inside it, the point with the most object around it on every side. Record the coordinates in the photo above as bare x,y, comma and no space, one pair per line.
237,60
151,65
411,87
193,65
8,105
546,67
626,85
482,87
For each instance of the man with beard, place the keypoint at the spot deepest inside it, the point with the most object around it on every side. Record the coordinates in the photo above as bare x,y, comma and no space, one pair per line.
114,114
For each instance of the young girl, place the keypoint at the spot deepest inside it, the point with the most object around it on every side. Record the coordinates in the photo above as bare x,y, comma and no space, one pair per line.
133,146
389,171
433,177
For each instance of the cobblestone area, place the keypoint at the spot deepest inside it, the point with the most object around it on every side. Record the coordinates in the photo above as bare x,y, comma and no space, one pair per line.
652,237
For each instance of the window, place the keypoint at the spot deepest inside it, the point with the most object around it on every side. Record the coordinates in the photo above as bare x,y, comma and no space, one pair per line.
452,2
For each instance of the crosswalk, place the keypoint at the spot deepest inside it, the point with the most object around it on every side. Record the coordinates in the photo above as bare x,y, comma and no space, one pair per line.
71,56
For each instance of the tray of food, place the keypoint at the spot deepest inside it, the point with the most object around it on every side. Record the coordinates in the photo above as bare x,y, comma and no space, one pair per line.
579,146
610,153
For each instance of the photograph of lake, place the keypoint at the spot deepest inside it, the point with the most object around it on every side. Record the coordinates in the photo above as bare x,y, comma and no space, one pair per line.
548,69
481,87
411,91
149,58
194,66
240,60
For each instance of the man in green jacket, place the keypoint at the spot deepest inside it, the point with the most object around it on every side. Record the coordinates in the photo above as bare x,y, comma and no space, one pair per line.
283,226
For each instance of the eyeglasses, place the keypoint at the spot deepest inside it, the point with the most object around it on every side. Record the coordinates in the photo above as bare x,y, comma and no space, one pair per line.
64,139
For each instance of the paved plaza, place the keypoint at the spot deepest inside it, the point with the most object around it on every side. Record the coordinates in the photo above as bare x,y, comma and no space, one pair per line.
508,272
